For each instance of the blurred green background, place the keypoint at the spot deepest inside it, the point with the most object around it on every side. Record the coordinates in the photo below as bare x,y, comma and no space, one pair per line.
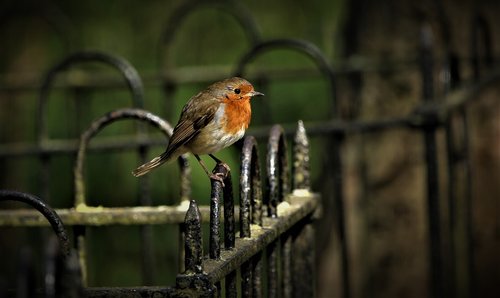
384,172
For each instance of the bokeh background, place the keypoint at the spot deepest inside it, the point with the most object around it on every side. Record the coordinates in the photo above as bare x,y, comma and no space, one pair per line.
373,46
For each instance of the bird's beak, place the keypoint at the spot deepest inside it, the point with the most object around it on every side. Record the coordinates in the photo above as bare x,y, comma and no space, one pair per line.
256,93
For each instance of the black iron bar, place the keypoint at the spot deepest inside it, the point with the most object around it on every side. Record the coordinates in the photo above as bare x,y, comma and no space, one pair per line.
257,286
230,285
246,279
286,266
229,221
277,170
303,276
229,233
272,270
435,254
49,214
216,193
250,213
25,282
480,36
250,192
303,259
450,78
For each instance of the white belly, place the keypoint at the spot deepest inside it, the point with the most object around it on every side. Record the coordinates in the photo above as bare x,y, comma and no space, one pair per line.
213,138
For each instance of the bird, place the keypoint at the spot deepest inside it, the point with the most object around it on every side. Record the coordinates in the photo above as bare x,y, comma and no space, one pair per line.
210,121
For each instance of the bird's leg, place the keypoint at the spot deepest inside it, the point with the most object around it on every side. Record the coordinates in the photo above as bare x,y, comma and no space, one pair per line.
213,176
220,162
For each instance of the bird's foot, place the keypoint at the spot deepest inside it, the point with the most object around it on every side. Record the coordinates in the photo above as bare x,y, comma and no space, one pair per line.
221,163
218,177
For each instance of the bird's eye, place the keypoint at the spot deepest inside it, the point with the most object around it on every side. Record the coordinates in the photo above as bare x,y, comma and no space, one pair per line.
237,91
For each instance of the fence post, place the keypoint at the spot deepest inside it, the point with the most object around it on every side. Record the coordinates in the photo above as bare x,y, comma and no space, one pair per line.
432,172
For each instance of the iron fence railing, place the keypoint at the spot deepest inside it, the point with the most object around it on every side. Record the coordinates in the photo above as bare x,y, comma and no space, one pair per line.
275,237
285,226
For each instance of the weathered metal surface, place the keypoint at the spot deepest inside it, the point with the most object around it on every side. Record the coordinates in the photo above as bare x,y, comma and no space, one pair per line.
301,168
216,194
250,187
99,216
245,248
193,240
277,185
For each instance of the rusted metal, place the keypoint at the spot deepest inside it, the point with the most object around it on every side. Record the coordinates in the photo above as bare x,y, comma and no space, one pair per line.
303,275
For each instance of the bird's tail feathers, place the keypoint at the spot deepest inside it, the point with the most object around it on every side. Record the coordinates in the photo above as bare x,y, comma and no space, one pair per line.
155,162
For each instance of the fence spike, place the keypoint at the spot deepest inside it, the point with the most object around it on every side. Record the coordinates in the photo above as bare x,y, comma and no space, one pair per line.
193,240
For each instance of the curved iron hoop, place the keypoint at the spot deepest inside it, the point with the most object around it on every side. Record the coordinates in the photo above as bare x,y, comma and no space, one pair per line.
277,184
233,8
130,74
120,114
250,187
47,211
301,46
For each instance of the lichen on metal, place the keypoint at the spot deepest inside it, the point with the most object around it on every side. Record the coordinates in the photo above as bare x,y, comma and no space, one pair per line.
301,164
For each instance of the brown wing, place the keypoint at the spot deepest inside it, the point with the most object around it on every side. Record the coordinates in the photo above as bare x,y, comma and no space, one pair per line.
196,114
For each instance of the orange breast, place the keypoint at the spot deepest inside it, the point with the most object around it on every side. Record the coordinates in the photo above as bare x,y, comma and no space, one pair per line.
237,115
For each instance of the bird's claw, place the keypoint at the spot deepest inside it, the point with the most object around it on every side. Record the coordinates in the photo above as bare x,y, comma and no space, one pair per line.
218,177
225,166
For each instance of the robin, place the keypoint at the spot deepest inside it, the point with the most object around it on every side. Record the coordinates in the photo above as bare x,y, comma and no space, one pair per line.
210,121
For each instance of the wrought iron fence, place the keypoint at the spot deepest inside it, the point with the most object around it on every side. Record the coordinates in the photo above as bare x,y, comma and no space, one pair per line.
278,225
275,226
